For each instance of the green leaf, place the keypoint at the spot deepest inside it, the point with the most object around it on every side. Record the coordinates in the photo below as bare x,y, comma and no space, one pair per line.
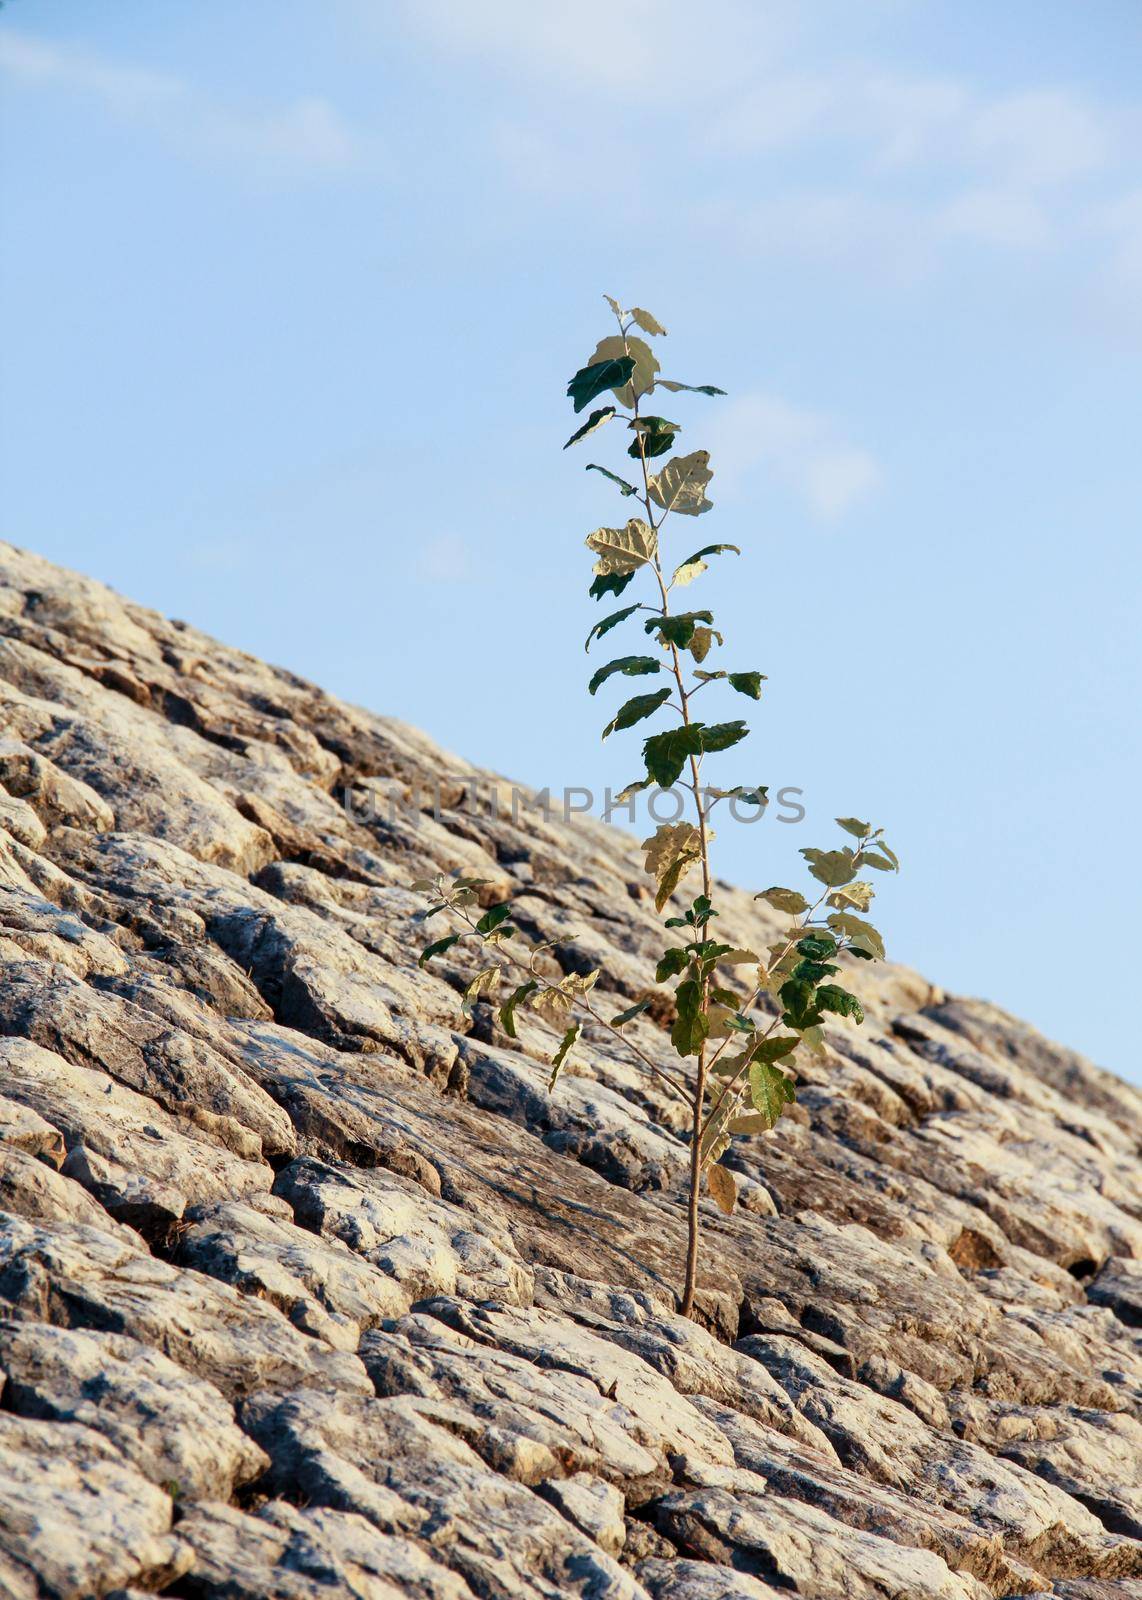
758,795
630,1013
707,951
861,935
559,1059
831,867
747,683
623,549
679,629
723,1189
671,851
609,583
681,484
646,322
640,380
798,997
508,1009
673,961
608,623
720,735
631,789
493,917
859,895
882,864
655,437
691,1027
692,388
831,997
859,830
770,1091
813,971
597,419
624,487
817,946
775,1048
629,666
694,566
609,373
438,948
666,753
635,710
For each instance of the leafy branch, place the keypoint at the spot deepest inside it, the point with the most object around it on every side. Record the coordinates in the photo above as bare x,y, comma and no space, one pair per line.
725,1094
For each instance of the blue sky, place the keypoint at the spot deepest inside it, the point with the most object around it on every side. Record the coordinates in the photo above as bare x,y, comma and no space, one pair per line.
291,293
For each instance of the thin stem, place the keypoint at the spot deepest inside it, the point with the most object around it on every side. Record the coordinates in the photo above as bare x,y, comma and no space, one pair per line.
731,1084
585,1005
693,1220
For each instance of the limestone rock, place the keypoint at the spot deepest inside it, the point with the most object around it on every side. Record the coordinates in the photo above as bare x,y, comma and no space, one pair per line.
176,1430
308,1286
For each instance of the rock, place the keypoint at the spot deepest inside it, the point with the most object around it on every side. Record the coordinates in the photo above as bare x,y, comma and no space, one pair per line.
661,1419
887,1442
523,1420
1118,1285
595,1507
79,1277
74,1518
21,1128
142,1164
319,1284
733,1520
278,1220
283,1553
427,1245
409,1476
33,1189
57,799
701,1580
176,1430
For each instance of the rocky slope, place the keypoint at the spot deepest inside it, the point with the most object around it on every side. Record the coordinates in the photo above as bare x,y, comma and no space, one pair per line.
308,1289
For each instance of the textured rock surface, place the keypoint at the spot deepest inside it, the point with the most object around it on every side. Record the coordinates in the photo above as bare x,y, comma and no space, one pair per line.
308,1289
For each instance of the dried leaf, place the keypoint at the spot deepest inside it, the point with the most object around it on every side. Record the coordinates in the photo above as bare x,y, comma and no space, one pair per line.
723,1189
618,348
681,484
622,550
670,853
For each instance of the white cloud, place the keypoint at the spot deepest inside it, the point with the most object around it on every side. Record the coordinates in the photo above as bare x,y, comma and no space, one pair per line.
884,167
124,88
305,138
801,448
1038,139
629,52
1120,285
996,217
